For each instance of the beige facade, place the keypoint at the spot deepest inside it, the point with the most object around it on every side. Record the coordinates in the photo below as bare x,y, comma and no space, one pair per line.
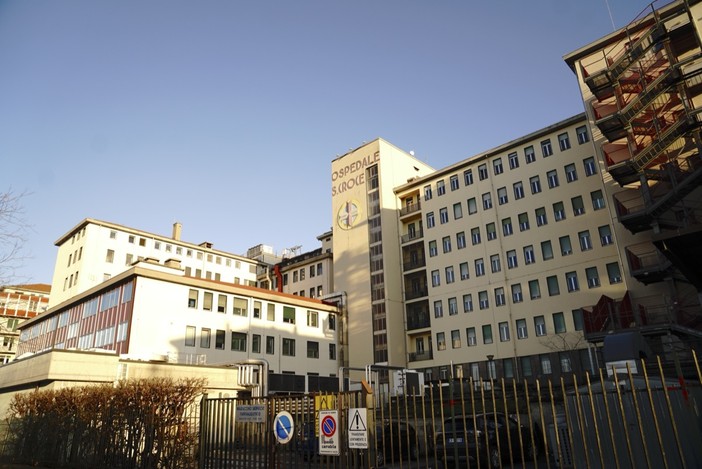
366,253
308,274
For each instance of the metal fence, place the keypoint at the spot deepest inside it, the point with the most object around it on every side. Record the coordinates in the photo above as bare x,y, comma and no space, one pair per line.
626,420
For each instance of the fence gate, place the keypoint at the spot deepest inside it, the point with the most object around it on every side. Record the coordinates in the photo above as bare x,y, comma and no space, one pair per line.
240,433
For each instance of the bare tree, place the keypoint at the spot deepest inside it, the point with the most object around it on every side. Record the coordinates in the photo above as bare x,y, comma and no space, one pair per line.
13,228
563,341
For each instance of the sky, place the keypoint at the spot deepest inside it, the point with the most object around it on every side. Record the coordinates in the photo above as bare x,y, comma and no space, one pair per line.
225,115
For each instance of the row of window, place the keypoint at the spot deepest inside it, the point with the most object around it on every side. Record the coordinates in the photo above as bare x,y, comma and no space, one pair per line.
238,342
513,162
534,286
505,335
315,292
299,275
70,280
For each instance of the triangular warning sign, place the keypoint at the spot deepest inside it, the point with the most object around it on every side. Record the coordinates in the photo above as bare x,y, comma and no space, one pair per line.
357,423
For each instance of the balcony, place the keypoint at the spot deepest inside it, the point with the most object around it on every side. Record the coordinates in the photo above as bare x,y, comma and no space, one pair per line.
413,264
413,236
414,294
410,209
420,356
418,320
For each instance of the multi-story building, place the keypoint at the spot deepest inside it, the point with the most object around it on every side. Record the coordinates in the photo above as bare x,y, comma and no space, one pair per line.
94,251
308,274
642,90
154,312
18,303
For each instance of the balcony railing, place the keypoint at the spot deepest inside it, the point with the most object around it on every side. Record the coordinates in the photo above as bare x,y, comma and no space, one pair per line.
414,294
420,356
418,234
418,320
411,208
414,264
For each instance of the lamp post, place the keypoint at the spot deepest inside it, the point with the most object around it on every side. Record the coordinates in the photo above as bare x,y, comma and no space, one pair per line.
491,366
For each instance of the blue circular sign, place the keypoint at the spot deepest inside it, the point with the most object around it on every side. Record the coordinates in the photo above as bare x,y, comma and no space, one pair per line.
328,426
283,427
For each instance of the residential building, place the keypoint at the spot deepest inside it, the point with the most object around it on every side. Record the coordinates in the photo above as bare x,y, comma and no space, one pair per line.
307,274
641,87
154,312
94,251
18,303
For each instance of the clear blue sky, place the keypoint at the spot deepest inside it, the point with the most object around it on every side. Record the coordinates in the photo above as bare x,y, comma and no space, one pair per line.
225,115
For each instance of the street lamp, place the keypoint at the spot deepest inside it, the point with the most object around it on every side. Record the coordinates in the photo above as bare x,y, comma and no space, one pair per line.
491,366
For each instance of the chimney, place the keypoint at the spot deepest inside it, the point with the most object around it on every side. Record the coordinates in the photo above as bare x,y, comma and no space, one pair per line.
177,228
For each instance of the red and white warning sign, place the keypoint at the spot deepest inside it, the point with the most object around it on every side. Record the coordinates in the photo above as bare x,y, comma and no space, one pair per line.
329,432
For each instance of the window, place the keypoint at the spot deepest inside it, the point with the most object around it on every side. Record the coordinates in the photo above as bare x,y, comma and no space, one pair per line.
192,298
534,289
512,259
598,201
552,177
565,363
552,283
295,274
577,319
518,190
435,278
497,166
446,243
526,366
479,267
456,338
440,341
487,334
546,364
463,267
221,303
475,235
522,332
457,211
255,343
288,347
207,301
468,177
546,149
535,184
578,206
529,257
312,318
523,221
454,182
605,235
427,193
312,271
432,249
491,233
546,250
240,307
270,312
613,272
566,248
507,226
559,323
513,160
430,220
205,335
487,201
483,301
540,326
453,306
593,277
270,345
482,172
529,154
585,241
109,257
312,349
443,216
331,322
500,296
541,219
472,206
129,258
495,263
582,134
559,211
467,303
572,281
450,278
438,309
460,240
289,314
504,331
257,306
238,342
502,196
571,173
470,336
332,351
589,164
517,296
190,336
219,339
564,141
440,187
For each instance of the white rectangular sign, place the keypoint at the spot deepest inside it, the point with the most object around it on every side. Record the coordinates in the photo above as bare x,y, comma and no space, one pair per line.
329,432
251,413
358,429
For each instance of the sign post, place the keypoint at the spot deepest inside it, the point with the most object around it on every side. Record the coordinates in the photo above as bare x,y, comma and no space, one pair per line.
329,432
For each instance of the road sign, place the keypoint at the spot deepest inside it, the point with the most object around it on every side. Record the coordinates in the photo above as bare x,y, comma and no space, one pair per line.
283,427
329,432
358,429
